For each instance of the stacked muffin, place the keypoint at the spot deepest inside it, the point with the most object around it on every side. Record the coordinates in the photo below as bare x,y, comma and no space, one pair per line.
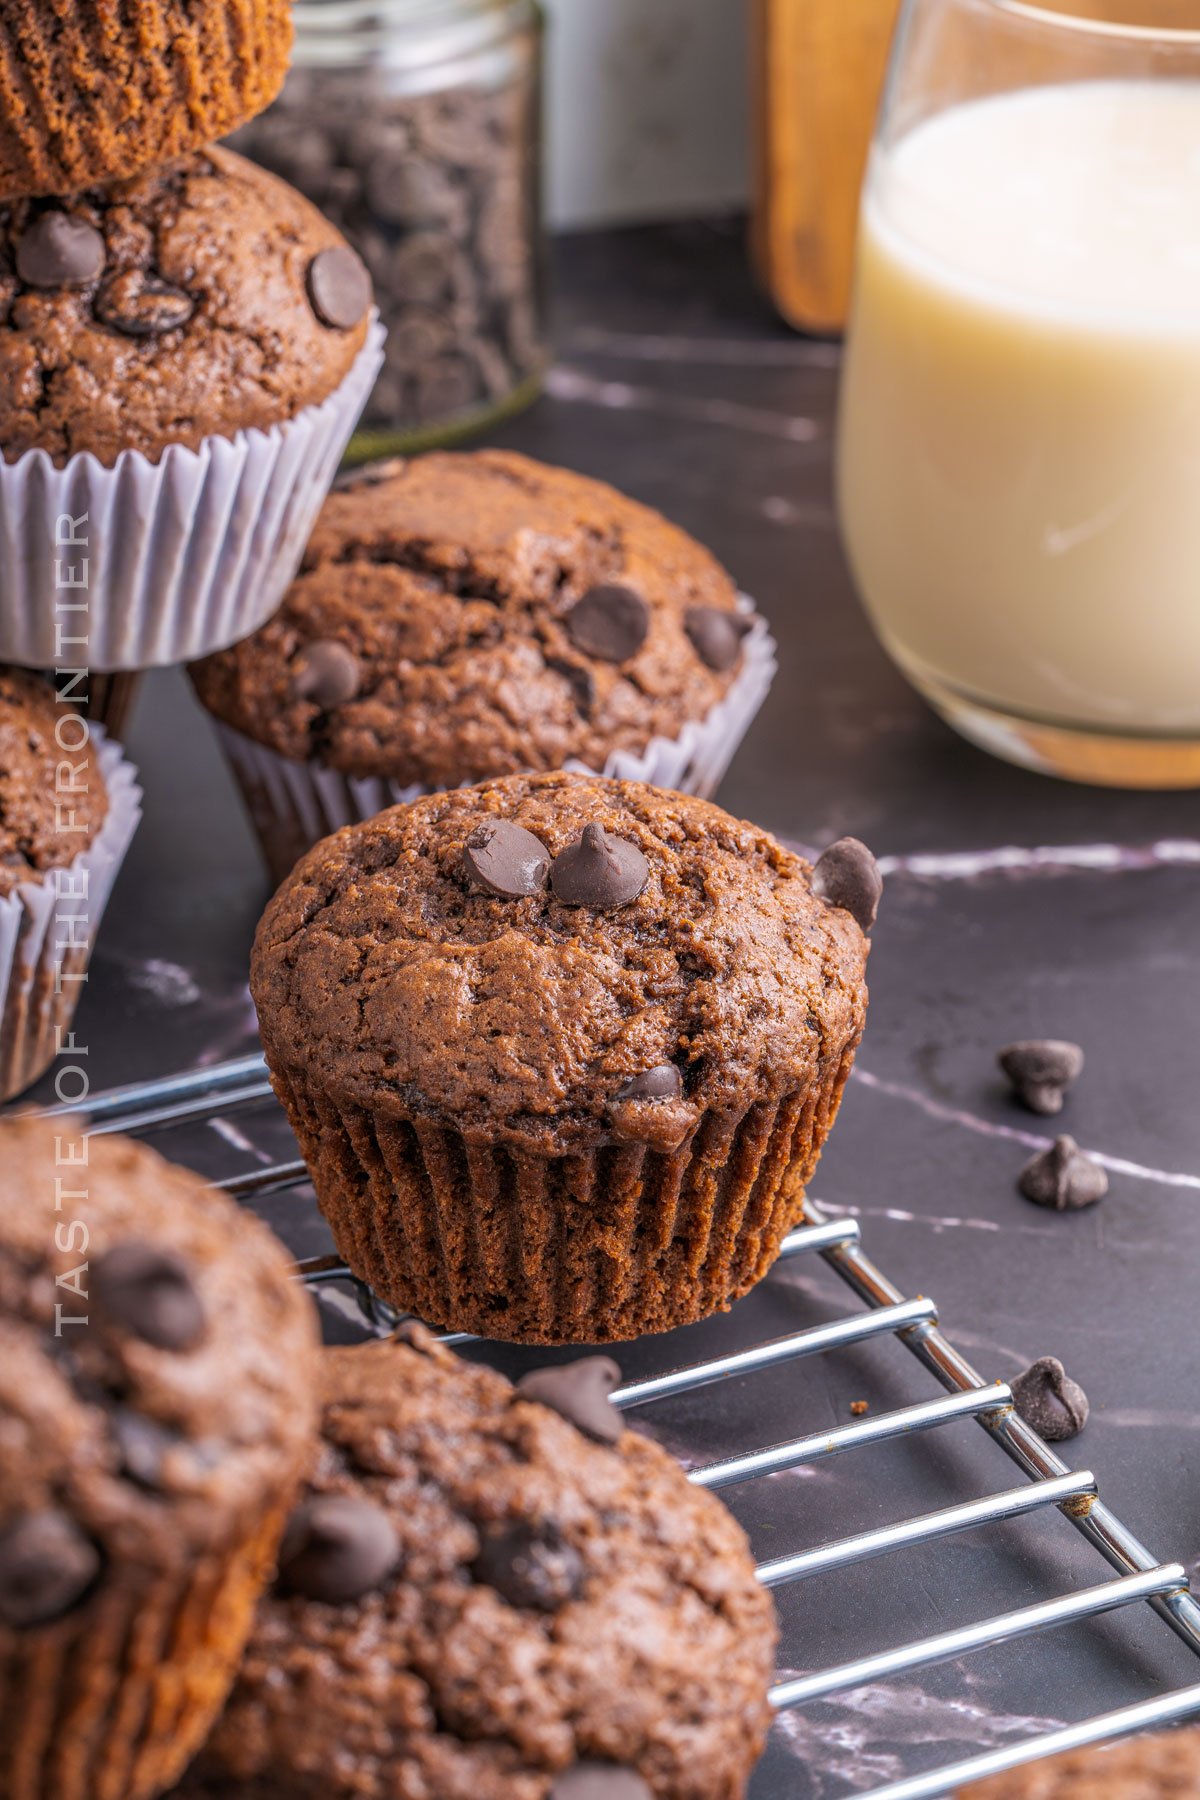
184,342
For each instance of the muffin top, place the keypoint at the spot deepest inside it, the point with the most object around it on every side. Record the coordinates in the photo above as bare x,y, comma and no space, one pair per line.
465,616
53,800
560,958
1163,1767
93,92
169,1419
475,1597
199,299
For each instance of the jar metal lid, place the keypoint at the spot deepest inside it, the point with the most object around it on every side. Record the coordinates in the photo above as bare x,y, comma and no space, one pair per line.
408,35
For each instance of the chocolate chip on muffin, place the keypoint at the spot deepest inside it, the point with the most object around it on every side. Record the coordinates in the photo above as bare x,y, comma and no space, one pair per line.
580,1392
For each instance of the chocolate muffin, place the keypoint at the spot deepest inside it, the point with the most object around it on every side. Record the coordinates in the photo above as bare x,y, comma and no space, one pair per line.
191,302
93,90
1163,1767
69,805
561,1052
464,616
482,1598
157,1367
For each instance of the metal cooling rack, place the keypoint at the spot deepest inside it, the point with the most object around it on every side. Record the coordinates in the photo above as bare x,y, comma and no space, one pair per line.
1048,1481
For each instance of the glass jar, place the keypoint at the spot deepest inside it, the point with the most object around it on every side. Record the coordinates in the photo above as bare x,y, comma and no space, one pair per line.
415,126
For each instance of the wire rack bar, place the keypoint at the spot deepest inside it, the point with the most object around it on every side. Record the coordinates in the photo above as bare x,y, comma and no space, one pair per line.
1012,1504
1164,1709
1064,1609
903,1423
208,1092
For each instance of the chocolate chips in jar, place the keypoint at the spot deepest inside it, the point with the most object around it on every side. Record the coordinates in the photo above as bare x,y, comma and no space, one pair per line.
421,142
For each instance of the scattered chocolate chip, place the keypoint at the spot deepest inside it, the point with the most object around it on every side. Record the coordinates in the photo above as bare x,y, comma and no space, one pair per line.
47,1566
60,251
369,475
1063,1177
581,681
142,308
149,1292
1041,1070
504,859
337,1548
339,287
326,673
143,1447
847,875
531,1566
598,869
599,1781
610,622
662,1082
580,1392
1047,1398
716,635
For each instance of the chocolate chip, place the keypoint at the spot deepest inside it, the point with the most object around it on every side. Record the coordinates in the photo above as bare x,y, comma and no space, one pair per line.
1041,1070
580,1392
149,1292
326,673
599,1781
143,1447
339,287
47,1566
580,679
610,622
598,869
1047,1398
1063,1177
847,875
60,251
716,635
337,1548
370,475
140,307
662,1082
531,1566
505,860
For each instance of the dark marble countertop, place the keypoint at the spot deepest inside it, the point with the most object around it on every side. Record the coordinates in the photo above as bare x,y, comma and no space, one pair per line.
1014,906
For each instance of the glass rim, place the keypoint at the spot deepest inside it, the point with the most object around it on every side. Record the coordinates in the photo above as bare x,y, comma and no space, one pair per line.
1041,14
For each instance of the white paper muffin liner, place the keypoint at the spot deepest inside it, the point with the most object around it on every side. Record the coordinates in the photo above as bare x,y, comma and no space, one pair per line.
295,804
48,927
184,555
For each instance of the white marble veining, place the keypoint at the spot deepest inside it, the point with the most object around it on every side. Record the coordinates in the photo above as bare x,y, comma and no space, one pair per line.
727,353
578,388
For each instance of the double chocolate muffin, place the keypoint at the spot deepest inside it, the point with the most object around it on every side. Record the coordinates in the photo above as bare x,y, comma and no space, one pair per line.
190,302
157,1373
464,616
561,1052
68,810
484,1598
91,90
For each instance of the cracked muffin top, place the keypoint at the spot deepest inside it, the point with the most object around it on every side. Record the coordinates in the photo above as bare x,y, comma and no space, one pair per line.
195,300
157,1360
480,1600
524,957
53,801
463,616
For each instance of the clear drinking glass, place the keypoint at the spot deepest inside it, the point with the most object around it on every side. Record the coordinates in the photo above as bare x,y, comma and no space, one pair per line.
1019,455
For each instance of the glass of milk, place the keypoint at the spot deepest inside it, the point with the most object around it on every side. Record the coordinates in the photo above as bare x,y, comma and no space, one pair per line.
1019,455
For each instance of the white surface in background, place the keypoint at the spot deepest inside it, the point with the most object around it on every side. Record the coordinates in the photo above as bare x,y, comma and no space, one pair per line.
646,108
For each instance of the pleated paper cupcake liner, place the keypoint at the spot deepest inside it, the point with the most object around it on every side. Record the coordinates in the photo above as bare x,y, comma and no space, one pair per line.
117,1698
293,805
48,927
595,1247
167,560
